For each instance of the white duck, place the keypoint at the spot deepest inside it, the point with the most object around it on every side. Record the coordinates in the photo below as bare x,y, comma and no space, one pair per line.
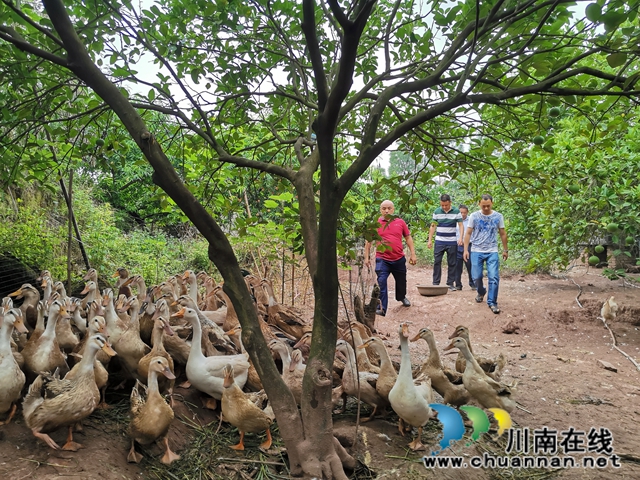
90,292
91,276
190,279
207,373
11,376
408,400
47,288
115,326
76,309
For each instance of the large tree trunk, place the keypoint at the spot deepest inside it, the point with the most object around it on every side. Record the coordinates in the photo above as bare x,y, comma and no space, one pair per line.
311,447
316,405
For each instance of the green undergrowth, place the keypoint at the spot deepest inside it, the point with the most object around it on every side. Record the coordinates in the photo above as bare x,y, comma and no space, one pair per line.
34,229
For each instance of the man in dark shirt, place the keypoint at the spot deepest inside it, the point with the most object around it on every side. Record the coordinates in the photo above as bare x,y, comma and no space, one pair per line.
446,220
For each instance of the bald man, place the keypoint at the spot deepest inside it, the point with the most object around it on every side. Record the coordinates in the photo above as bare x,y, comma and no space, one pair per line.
390,259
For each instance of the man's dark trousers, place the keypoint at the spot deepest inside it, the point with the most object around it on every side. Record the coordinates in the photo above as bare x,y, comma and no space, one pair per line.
452,254
398,269
460,264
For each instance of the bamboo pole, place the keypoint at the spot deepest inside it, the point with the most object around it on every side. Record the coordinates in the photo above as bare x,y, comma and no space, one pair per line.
69,231
246,204
306,286
70,207
351,289
75,224
293,278
284,271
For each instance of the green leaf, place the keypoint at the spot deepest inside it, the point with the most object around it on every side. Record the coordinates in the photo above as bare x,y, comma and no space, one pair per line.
593,12
284,197
613,19
270,204
616,59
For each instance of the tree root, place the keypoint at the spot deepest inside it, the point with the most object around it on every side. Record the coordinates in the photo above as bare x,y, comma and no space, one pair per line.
347,460
615,345
321,376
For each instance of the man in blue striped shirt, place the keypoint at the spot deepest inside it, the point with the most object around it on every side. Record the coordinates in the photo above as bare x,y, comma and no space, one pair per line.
446,221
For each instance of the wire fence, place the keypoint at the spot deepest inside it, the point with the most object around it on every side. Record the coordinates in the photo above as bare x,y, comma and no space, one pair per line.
288,271
13,274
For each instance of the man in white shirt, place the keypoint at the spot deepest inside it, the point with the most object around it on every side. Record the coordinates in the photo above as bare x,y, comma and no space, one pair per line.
481,233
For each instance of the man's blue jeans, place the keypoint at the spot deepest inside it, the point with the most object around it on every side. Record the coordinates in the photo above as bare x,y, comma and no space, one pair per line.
399,271
493,276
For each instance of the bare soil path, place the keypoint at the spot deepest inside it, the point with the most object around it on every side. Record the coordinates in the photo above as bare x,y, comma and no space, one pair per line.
553,356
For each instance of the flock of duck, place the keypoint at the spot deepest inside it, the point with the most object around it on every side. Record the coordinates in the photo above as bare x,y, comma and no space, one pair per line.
57,353
410,391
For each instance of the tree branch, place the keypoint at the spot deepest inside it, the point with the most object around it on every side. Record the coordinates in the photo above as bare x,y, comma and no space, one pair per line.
339,15
262,166
11,36
309,30
346,68
16,9
371,150
165,176
332,21
387,35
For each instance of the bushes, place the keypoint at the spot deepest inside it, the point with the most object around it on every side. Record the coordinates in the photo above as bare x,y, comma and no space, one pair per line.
29,233
34,229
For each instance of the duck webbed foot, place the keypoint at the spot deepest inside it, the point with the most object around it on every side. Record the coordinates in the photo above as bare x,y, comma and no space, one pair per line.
71,445
168,457
47,439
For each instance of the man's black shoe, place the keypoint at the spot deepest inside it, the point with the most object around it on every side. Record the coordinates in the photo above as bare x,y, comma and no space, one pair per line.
452,288
406,302
380,312
479,298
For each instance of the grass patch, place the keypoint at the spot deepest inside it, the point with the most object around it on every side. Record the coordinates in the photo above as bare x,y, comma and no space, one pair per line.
497,449
208,457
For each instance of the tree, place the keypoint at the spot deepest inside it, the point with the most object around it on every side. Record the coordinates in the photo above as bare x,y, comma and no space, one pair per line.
360,75
401,164
572,187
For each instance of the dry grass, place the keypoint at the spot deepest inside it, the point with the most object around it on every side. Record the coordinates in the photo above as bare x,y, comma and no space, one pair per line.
207,455
497,448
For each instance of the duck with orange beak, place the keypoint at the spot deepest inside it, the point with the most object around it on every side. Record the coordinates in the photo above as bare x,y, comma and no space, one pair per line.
241,412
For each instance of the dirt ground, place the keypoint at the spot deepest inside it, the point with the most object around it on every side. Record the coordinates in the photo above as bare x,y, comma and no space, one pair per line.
553,356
